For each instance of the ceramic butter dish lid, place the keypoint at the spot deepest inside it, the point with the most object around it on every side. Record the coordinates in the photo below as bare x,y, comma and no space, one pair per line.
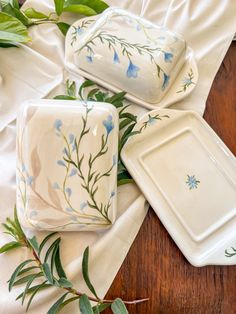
188,175
122,51
67,165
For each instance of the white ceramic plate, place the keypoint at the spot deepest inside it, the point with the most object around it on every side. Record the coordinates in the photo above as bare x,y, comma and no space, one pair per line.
188,175
180,87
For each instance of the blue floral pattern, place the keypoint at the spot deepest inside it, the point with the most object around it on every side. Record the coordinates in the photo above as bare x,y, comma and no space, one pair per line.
192,182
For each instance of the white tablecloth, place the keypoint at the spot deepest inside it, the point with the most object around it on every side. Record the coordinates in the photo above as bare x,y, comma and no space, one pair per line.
38,71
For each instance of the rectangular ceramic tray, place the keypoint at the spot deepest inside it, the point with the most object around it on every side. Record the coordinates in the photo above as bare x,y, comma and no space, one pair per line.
67,165
188,176
124,52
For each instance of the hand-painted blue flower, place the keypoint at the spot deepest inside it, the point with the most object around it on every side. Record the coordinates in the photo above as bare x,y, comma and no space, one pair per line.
151,120
69,209
23,167
56,186
80,30
114,160
30,180
89,59
116,57
192,182
65,151
165,81
132,70
187,81
83,205
61,163
138,27
57,125
69,191
73,147
73,172
108,123
71,138
113,194
168,56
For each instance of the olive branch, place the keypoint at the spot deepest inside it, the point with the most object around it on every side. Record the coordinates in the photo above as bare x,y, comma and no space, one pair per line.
44,270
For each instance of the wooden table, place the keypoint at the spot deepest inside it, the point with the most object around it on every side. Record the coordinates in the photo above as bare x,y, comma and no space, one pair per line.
155,267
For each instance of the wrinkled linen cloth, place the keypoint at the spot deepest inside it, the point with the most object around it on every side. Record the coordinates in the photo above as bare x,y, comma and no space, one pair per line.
37,71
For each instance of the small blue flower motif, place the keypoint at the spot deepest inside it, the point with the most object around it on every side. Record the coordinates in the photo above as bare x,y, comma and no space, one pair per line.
168,56
65,151
89,59
71,138
57,125
73,147
73,172
56,186
108,123
116,57
69,191
192,182
166,81
61,163
138,27
30,180
187,81
83,205
69,209
113,194
80,30
23,167
132,70
114,160
151,120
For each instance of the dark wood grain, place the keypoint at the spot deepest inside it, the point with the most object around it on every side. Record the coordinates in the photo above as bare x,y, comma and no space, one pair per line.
155,267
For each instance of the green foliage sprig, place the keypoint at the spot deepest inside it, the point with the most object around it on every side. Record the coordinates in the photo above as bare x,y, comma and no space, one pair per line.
14,21
45,270
89,91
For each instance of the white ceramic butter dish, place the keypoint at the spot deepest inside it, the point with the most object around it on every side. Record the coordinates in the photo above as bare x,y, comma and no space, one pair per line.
188,175
67,165
122,51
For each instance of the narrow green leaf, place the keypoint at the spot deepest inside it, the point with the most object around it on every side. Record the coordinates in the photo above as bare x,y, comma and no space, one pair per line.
26,278
67,302
118,307
47,273
27,287
97,5
85,305
129,116
124,178
50,249
34,243
10,246
95,309
86,83
102,306
55,307
9,228
80,9
39,287
33,14
17,223
49,236
64,97
59,6
63,27
26,270
71,88
64,283
60,271
85,272
117,96
124,123
92,93
16,272
32,289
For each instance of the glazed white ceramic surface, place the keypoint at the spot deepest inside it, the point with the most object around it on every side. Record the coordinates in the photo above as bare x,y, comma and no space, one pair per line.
188,175
67,165
122,51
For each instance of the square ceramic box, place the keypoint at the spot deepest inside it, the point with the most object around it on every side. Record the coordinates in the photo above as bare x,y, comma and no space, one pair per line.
122,51
67,165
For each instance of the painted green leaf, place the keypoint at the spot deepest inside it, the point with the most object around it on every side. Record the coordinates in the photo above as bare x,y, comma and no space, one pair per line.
85,305
33,14
118,307
16,272
97,5
63,27
55,307
47,273
71,88
12,30
10,246
59,6
118,96
86,83
80,9
85,272
64,97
